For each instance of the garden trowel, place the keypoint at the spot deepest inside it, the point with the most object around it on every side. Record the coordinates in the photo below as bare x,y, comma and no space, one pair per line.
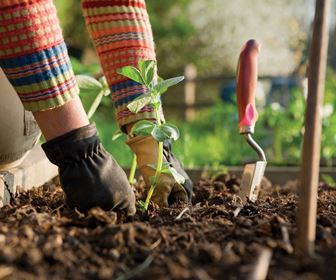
247,76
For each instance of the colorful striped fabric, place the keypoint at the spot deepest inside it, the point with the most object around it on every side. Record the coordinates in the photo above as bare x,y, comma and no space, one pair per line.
33,54
122,35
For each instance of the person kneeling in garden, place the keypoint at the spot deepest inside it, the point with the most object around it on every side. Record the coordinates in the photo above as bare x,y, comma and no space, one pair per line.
34,58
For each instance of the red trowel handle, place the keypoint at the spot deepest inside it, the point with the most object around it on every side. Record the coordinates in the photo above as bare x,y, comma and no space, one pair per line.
247,76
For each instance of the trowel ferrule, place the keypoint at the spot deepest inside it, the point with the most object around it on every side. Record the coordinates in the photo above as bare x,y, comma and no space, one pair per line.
246,129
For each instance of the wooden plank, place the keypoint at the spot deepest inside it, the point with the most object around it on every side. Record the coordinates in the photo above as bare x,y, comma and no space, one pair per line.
221,77
34,171
306,214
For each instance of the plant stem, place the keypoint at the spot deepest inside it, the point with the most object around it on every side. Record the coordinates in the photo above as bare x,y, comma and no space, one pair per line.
132,171
157,174
158,165
157,116
95,104
149,195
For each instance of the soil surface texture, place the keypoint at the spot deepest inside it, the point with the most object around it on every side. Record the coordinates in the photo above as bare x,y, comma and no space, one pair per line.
216,238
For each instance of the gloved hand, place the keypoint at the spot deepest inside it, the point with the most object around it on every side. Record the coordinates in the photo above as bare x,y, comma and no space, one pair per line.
168,190
89,175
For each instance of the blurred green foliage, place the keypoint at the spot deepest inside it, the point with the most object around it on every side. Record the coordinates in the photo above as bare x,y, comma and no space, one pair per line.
213,140
73,25
328,146
175,40
80,69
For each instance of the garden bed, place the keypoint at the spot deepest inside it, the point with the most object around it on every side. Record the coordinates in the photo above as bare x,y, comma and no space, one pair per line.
41,238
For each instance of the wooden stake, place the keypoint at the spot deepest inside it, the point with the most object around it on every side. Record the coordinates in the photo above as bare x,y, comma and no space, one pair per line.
310,166
190,73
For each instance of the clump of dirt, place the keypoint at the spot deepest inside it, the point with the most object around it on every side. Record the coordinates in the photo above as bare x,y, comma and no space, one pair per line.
216,238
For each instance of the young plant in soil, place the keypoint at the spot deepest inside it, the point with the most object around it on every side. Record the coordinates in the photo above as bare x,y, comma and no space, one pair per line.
95,90
159,130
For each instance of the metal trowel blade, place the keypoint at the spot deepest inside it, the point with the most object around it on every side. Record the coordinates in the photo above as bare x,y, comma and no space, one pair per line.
251,180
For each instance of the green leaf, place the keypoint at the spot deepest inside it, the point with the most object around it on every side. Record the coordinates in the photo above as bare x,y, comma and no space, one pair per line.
107,92
165,131
165,165
143,128
142,206
156,105
132,73
160,80
150,75
88,84
117,134
95,104
103,81
147,70
144,65
166,170
159,134
151,165
137,104
171,130
177,176
165,84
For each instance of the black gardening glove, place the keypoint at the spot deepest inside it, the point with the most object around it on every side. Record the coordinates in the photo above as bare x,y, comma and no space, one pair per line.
174,162
89,175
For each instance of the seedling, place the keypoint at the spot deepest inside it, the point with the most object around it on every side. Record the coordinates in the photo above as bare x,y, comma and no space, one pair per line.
97,89
159,130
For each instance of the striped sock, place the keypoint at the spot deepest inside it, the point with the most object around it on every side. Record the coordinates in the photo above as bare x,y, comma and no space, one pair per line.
121,32
33,54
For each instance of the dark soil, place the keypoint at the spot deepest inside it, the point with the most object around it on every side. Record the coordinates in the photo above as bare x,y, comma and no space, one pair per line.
40,238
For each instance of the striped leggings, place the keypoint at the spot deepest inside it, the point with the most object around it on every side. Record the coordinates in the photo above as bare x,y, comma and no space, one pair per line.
34,57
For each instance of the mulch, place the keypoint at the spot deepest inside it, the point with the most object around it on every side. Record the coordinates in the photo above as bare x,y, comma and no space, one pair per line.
216,238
